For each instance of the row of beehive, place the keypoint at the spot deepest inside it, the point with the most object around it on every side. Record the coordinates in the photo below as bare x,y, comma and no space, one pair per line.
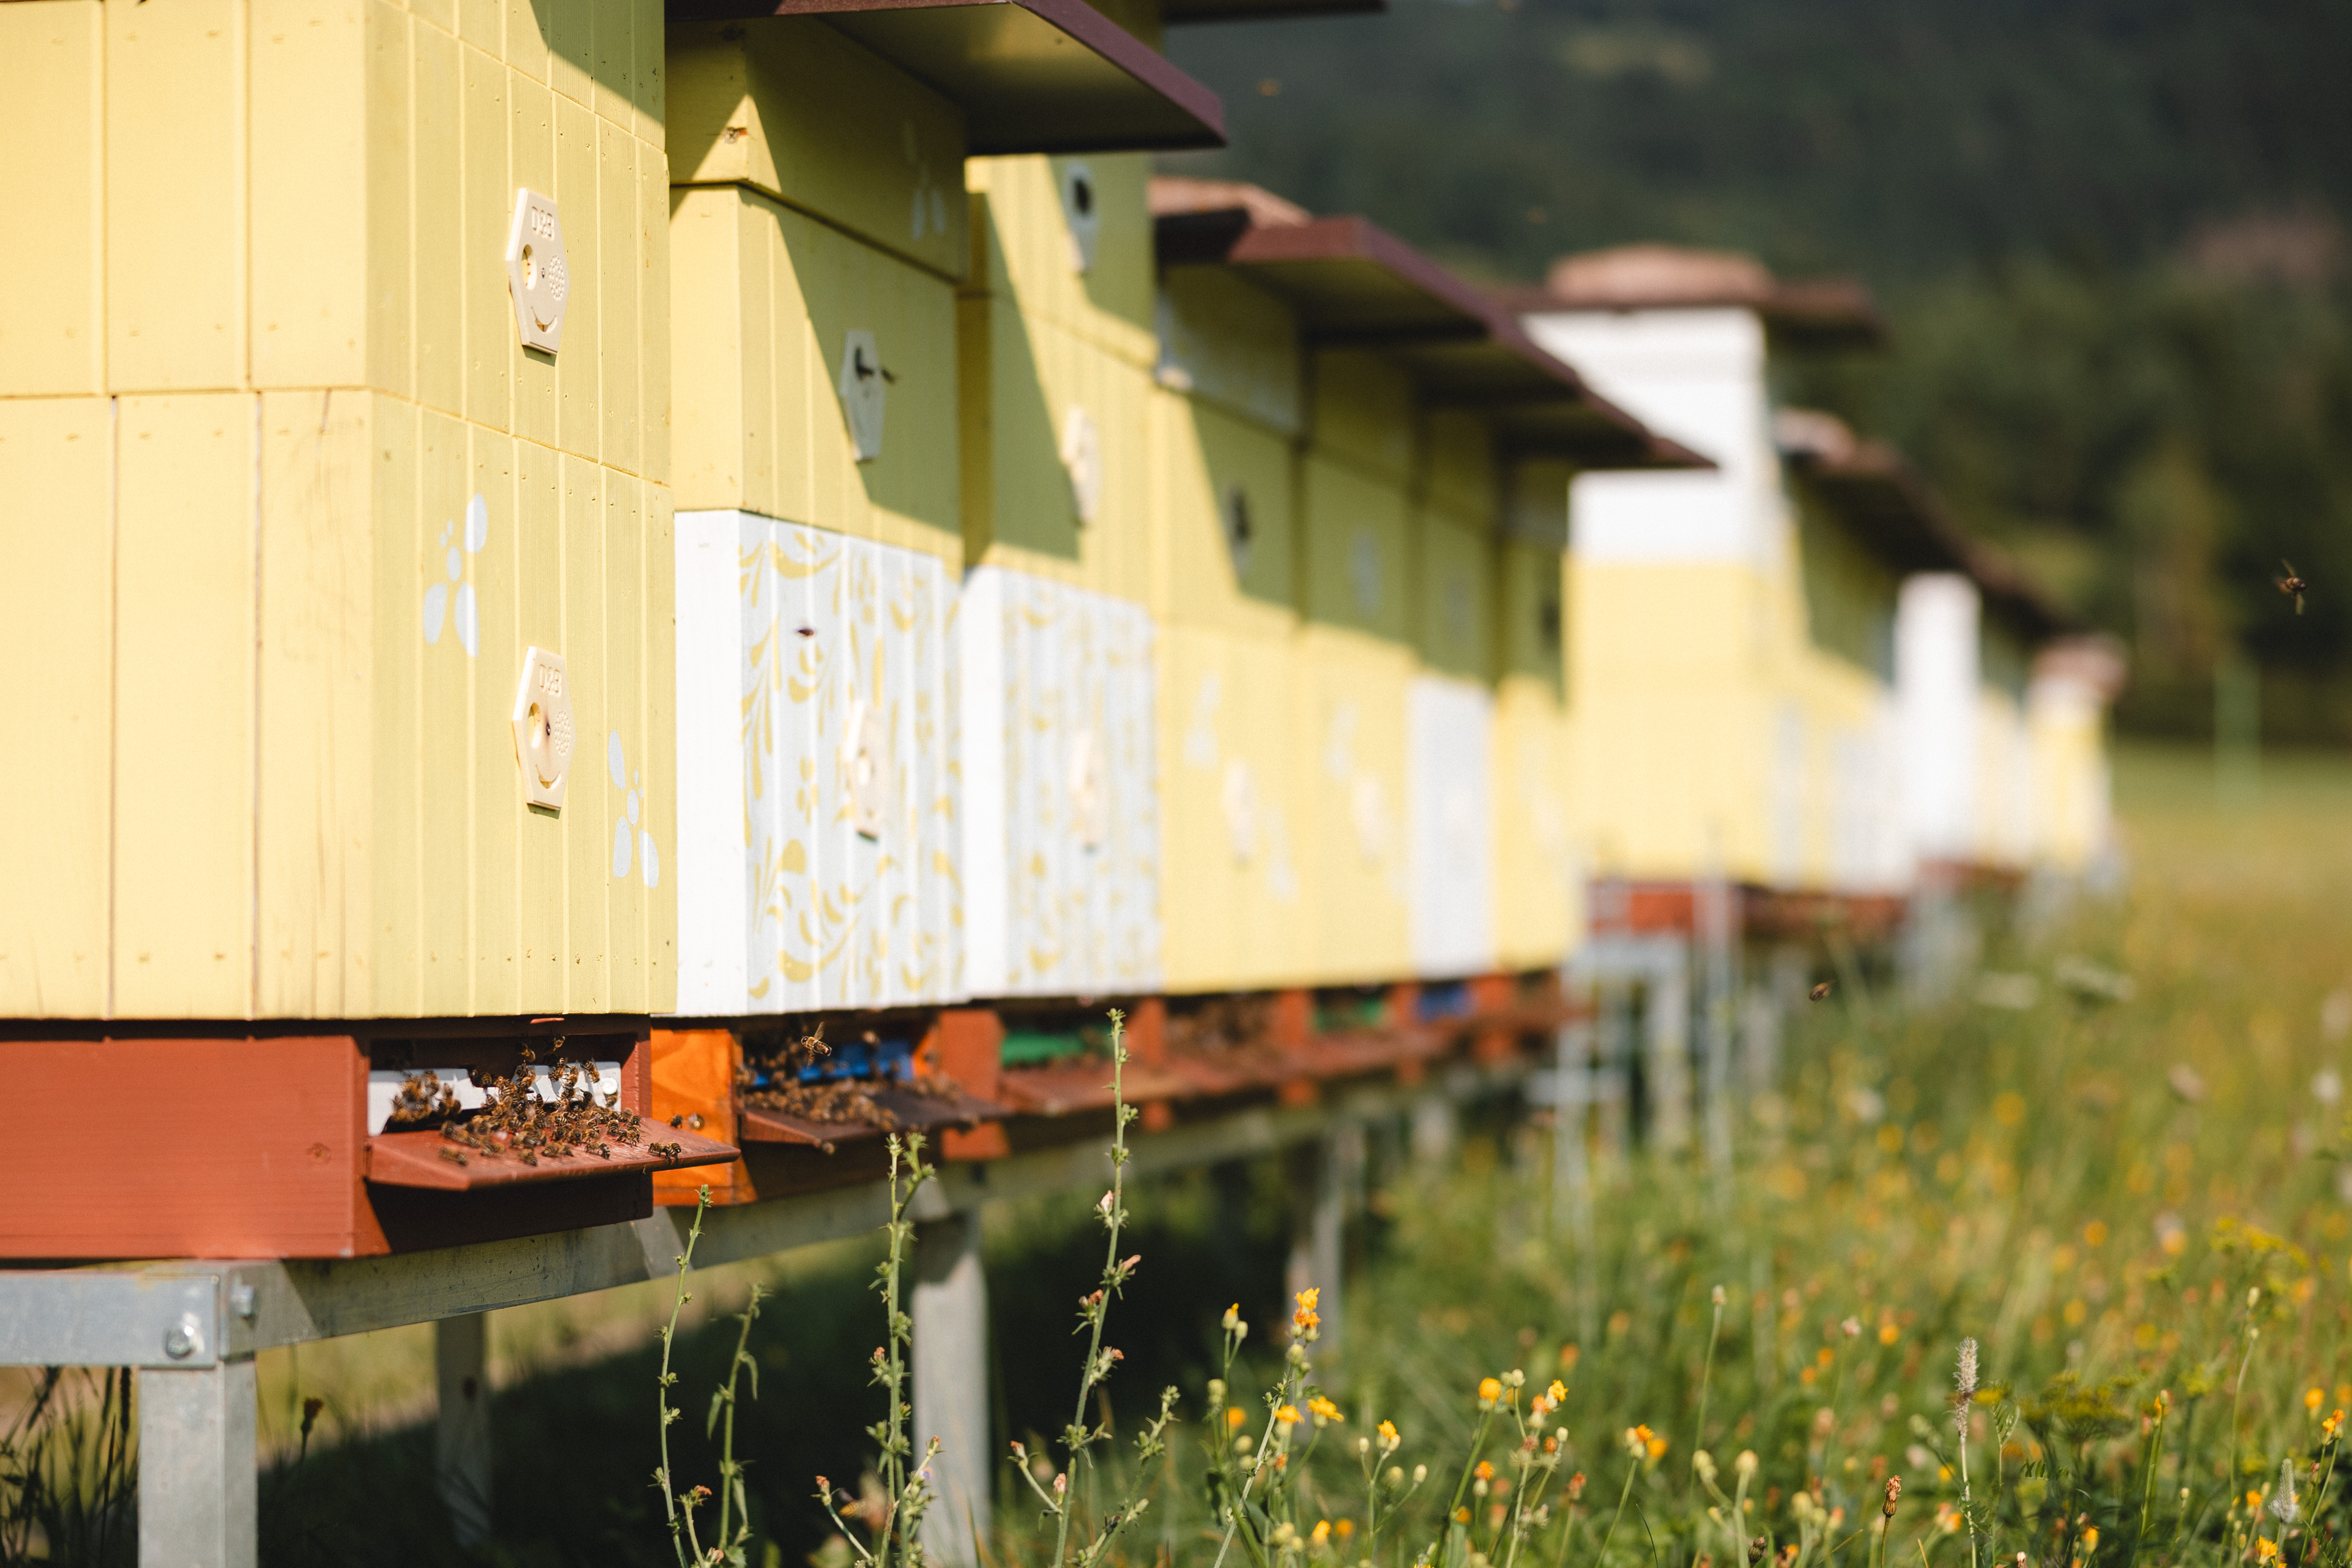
920,636
1030,623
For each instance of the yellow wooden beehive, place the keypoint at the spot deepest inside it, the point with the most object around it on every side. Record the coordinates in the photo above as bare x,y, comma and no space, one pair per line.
1417,647
289,500
1063,877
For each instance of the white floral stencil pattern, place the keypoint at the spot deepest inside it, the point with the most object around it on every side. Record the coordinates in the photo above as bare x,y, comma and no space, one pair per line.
845,854
1063,857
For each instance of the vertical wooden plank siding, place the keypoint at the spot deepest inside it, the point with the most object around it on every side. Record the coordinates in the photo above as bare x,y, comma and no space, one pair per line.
176,195
308,109
52,97
313,805
56,642
183,738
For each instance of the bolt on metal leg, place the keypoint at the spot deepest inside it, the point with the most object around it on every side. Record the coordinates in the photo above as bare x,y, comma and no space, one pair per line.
198,1506
461,1445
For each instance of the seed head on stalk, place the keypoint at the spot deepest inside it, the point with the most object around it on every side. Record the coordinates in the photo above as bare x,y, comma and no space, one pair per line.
1965,1384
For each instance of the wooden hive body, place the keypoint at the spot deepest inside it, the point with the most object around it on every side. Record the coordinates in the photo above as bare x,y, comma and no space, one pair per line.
289,500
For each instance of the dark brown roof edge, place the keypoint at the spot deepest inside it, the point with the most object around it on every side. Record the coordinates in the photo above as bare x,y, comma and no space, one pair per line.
1229,236
2007,591
1076,18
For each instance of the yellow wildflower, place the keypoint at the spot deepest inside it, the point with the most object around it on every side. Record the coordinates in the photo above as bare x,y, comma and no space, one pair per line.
1344,1529
2312,1400
1288,1415
1322,1531
1888,1333
1461,1516
1389,1438
2265,1549
1484,1471
1305,1317
1324,1410
1556,1392
1657,1448
2090,1541
1490,1389
1638,1440
1236,1415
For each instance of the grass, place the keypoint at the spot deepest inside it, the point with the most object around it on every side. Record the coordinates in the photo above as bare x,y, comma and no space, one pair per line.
2088,1188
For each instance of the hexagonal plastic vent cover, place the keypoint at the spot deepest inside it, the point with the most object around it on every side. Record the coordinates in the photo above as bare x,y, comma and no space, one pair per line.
538,272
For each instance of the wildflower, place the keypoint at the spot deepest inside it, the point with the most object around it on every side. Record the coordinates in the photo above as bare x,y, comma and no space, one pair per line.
2090,1541
1324,1410
1657,1449
1286,1416
1461,1516
1484,1471
1746,1464
1851,1328
1888,1333
1395,1476
1894,1494
1948,1518
1703,1463
1556,1392
1389,1441
2332,1425
1232,1319
1344,1529
2312,1400
1304,1321
1322,1531
1490,1389
1637,1441
2265,1549
1576,1485
1717,1295
1964,1383
1243,1444
1419,1474
1235,1416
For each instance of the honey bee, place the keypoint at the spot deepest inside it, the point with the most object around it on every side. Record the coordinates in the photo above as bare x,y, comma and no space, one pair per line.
677,1121
2291,585
1820,992
452,1155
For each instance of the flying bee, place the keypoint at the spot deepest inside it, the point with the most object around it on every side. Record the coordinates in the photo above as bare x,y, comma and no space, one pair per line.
1820,992
2291,585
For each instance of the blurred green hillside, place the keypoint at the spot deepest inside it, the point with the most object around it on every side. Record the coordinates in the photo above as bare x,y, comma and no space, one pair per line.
2105,236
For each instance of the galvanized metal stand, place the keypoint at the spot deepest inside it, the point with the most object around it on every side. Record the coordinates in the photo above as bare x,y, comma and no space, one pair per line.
192,1327
950,1313
461,1446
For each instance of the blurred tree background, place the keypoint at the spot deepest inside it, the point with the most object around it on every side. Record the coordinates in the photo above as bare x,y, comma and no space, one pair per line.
2105,234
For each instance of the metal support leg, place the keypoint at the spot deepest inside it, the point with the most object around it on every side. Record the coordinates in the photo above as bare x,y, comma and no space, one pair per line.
197,1456
1318,1235
1434,1129
950,1313
461,1445
1667,1023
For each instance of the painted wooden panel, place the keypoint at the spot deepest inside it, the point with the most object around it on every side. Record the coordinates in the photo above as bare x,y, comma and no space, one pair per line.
1458,466
1449,801
183,741
1229,343
1055,437
800,112
2004,792
51,338
1352,750
1227,540
1536,884
308,87
763,302
1061,790
57,640
316,751
817,720
176,273
1091,275
1452,584
1232,811
1362,412
1356,552
1683,752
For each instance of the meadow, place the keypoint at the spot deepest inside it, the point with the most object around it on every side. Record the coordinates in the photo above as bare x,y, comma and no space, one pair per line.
2113,1162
